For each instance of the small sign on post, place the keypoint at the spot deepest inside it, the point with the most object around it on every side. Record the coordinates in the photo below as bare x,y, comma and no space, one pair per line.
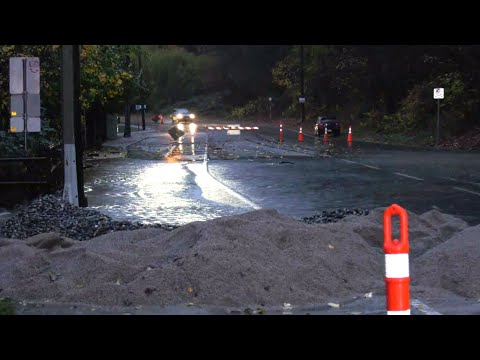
438,94
301,100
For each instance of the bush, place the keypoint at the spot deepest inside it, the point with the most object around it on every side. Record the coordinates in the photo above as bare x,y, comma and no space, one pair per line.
259,105
38,144
418,110
175,75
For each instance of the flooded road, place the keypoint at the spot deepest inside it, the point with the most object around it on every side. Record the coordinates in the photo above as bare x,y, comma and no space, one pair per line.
297,179
155,191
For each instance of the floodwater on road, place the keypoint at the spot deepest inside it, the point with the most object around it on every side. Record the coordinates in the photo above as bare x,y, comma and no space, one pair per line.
301,186
158,192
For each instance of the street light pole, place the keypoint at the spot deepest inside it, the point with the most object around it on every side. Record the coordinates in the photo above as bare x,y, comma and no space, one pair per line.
302,92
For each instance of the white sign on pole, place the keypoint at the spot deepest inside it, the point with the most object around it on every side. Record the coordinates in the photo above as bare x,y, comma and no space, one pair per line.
438,93
34,124
32,75
17,124
301,100
16,75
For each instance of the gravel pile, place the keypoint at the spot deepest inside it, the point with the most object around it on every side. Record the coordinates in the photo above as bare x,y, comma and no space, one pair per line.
333,216
51,214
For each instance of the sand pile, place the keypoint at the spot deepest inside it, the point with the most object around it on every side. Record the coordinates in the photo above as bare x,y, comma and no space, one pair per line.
257,258
426,231
453,265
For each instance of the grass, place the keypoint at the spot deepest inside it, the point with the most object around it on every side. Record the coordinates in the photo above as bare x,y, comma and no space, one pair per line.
6,307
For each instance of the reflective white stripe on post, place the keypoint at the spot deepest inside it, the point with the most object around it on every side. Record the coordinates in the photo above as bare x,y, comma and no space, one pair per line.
396,266
404,312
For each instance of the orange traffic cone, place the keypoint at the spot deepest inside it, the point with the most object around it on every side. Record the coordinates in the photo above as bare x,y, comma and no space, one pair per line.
325,136
281,134
349,139
300,135
161,119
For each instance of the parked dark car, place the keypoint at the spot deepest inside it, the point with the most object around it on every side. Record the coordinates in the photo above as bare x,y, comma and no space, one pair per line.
330,123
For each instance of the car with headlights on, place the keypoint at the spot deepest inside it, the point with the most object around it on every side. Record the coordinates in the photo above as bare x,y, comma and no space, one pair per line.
327,122
184,120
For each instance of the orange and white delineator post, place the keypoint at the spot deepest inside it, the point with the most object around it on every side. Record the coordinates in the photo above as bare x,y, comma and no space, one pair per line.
397,273
349,138
281,133
325,136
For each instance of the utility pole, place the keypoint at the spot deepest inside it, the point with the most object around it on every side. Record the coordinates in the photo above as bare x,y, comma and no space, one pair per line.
141,89
127,132
302,91
73,191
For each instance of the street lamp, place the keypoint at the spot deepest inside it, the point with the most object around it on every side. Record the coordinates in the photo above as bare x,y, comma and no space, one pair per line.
302,88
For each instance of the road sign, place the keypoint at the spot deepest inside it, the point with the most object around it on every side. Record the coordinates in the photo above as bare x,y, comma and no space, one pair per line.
301,100
175,133
17,124
30,72
33,105
139,107
438,93
234,131
34,124
33,75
